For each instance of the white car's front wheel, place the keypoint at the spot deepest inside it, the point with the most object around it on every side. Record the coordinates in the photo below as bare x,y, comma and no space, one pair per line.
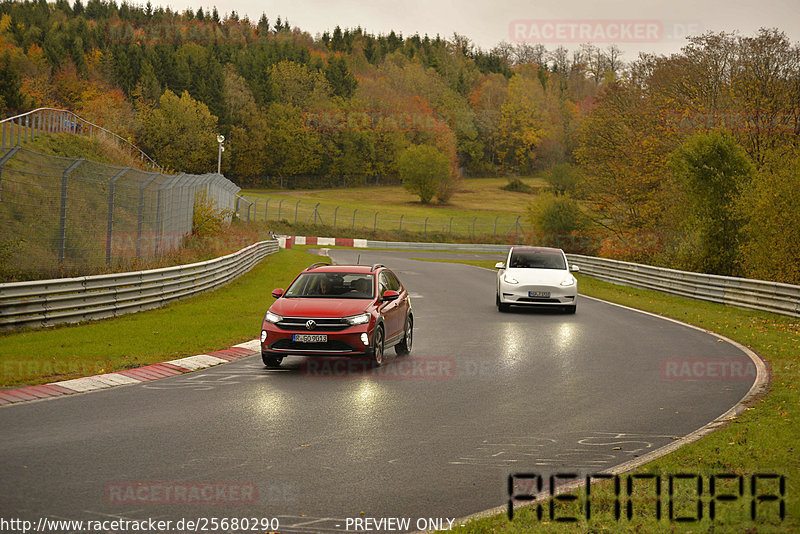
500,306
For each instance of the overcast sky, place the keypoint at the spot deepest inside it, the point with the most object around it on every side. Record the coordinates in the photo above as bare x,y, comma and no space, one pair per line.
635,25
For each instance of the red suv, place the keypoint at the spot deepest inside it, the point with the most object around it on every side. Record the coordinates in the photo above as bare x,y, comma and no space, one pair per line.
338,310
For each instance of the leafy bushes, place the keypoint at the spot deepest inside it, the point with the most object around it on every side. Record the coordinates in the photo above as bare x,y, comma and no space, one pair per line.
426,172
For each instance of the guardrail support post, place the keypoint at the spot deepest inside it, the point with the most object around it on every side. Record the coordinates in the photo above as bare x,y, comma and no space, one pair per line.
62,231
110,221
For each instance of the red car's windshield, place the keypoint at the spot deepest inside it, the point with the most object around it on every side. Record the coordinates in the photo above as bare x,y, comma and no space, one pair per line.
333,285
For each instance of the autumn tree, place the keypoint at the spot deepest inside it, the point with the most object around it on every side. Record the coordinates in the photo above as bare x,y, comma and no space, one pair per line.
770,233
181,134
522,124
714,171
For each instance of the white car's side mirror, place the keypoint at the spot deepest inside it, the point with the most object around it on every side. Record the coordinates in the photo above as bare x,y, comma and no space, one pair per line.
499,265
574,269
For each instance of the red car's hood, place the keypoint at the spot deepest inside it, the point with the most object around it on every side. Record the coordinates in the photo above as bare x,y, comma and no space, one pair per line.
319,307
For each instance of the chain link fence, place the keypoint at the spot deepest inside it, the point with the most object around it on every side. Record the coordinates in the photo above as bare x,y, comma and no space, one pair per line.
60,215
317,214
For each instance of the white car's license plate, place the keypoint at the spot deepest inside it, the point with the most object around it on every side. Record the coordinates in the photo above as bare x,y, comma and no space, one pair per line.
539,294
310,338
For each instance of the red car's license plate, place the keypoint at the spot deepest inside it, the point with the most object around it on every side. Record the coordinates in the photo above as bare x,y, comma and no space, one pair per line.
310,338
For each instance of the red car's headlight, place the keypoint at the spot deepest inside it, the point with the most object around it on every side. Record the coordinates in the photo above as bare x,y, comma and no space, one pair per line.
357,319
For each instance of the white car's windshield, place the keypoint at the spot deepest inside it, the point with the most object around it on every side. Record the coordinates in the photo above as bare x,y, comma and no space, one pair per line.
333,285
529,259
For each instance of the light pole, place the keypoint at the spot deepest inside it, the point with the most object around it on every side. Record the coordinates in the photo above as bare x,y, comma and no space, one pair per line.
220,140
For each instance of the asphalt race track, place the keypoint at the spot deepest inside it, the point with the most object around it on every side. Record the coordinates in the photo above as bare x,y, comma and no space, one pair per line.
435,434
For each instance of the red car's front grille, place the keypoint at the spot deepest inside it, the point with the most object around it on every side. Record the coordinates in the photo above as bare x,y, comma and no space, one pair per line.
320,325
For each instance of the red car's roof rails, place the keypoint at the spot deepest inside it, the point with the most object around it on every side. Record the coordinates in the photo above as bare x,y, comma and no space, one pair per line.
377,266
315,265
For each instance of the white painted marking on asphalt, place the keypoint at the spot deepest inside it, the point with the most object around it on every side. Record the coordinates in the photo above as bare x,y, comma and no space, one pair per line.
254,345
82,384
201,361
116,379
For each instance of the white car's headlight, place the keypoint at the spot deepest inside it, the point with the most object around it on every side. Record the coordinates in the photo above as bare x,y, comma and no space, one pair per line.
569,282
509,280
272,317
358,319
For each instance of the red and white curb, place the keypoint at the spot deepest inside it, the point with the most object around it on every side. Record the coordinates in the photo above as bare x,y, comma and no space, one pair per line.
129,376
288,241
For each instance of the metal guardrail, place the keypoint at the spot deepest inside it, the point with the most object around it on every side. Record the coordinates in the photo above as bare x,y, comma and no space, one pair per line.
45,303
742,292
761,295
16,130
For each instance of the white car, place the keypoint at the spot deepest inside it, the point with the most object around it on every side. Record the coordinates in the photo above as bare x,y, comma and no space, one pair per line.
536,276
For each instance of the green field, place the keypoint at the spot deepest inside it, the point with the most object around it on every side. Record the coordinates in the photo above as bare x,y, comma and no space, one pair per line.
480,205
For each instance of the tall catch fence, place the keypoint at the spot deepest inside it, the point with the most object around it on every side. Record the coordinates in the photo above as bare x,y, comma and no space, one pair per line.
66,215
334,216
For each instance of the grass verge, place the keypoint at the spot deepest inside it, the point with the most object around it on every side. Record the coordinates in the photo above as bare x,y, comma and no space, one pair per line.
204,323
764,439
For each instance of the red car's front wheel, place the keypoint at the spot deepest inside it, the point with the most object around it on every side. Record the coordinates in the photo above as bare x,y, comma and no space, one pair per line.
377,348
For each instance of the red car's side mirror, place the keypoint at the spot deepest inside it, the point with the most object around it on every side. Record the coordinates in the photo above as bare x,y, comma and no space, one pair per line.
390,295
277,293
